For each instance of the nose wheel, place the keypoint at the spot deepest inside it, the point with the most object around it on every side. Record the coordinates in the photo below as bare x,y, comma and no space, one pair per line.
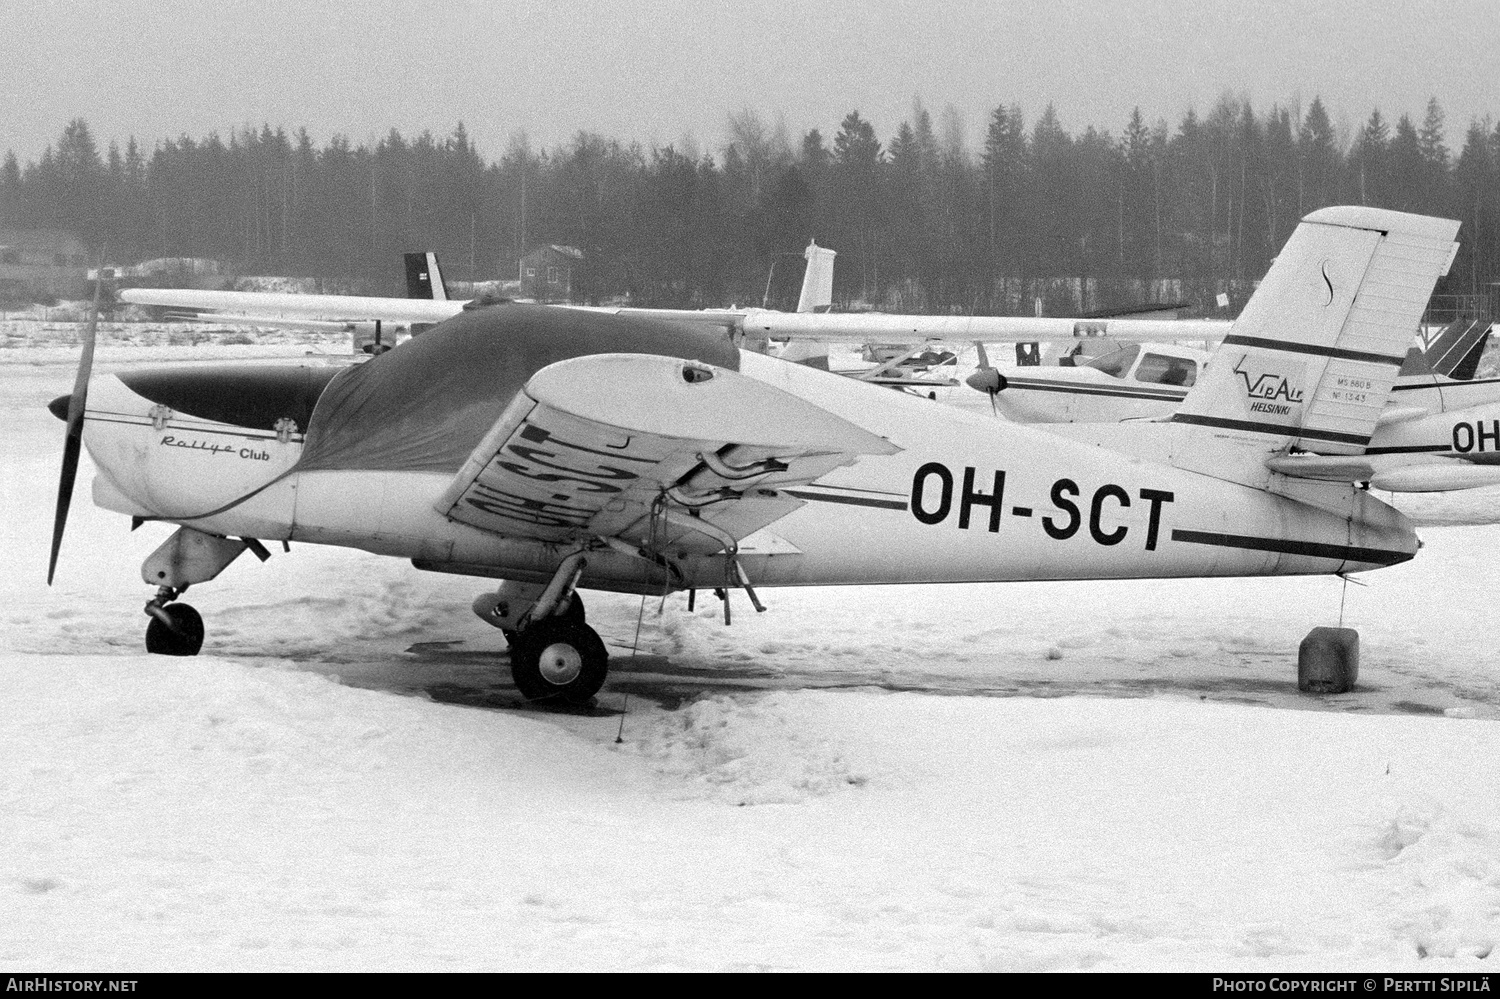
177,630
174,629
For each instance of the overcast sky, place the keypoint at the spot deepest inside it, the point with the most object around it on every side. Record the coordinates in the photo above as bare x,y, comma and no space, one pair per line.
660,70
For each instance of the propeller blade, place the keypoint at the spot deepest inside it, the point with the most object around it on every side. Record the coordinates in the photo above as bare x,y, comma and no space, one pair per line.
73,439
984,359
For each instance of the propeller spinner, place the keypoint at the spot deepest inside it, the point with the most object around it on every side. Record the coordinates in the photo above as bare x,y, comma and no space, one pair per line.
986,379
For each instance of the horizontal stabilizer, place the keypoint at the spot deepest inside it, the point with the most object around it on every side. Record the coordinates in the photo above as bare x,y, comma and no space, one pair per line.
1436,478
1324,468
1397,473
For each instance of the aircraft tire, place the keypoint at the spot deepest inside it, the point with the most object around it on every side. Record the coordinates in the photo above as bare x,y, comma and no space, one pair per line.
184,639
559,659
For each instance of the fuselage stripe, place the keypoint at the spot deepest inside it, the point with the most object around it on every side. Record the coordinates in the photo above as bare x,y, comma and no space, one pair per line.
852,500
1452,383
188,428
1123,393
1286,546
1278,429
1310,348
1409,449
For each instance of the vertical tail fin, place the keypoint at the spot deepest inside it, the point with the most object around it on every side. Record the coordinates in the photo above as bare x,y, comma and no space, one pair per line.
1468,365
424,278
1311,360
817,280
1457,349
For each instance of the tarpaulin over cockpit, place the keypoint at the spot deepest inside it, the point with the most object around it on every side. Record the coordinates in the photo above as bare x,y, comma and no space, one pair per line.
424,406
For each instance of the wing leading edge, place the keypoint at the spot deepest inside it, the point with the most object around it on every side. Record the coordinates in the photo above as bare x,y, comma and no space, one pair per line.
670,457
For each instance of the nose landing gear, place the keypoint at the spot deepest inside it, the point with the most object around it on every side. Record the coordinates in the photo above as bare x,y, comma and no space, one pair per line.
175,629
187,557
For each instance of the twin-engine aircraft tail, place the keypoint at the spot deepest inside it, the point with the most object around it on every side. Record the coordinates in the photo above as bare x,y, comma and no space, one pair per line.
424,278
1310,362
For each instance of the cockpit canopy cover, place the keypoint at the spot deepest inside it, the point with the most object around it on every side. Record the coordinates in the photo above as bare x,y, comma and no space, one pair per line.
424,406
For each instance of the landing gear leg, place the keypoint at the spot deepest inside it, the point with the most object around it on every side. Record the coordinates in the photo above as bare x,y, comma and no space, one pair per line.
554,654
572,612
175,629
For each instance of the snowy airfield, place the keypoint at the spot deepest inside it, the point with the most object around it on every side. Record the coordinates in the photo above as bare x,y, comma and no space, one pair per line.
1041,776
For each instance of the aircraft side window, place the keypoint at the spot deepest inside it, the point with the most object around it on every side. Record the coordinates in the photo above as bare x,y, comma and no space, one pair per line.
1117,362
1158,369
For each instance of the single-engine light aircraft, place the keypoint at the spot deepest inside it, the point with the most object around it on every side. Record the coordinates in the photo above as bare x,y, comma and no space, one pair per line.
559,450
428,302
1148,381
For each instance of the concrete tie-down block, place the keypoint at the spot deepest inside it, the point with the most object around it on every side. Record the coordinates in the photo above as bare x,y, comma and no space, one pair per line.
1328,661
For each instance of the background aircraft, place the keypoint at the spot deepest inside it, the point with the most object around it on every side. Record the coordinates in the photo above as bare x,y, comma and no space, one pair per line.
1149,381
558,449
811,324
428,301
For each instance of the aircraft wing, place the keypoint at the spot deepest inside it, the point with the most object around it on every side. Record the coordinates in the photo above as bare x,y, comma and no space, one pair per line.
660,454
283,322
725,318
269,306
822,327
856,327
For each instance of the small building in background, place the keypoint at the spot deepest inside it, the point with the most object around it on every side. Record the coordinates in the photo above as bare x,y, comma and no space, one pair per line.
42,264
198,273
546,273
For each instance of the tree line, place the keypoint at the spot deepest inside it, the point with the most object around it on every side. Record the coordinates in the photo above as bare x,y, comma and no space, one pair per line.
922,221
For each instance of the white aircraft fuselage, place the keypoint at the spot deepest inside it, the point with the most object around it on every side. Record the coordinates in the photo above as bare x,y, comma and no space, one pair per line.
965,499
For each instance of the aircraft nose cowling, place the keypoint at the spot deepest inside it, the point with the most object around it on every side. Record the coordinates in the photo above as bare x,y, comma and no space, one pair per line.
59,407
986,380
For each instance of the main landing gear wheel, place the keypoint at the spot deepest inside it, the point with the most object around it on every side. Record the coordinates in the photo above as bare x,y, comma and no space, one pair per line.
176,631
558,658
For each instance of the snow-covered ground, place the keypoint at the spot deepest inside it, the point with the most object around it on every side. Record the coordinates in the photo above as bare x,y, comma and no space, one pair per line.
1024,776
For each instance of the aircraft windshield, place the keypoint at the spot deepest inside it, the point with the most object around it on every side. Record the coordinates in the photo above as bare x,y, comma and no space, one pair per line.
1116,363
1159,369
